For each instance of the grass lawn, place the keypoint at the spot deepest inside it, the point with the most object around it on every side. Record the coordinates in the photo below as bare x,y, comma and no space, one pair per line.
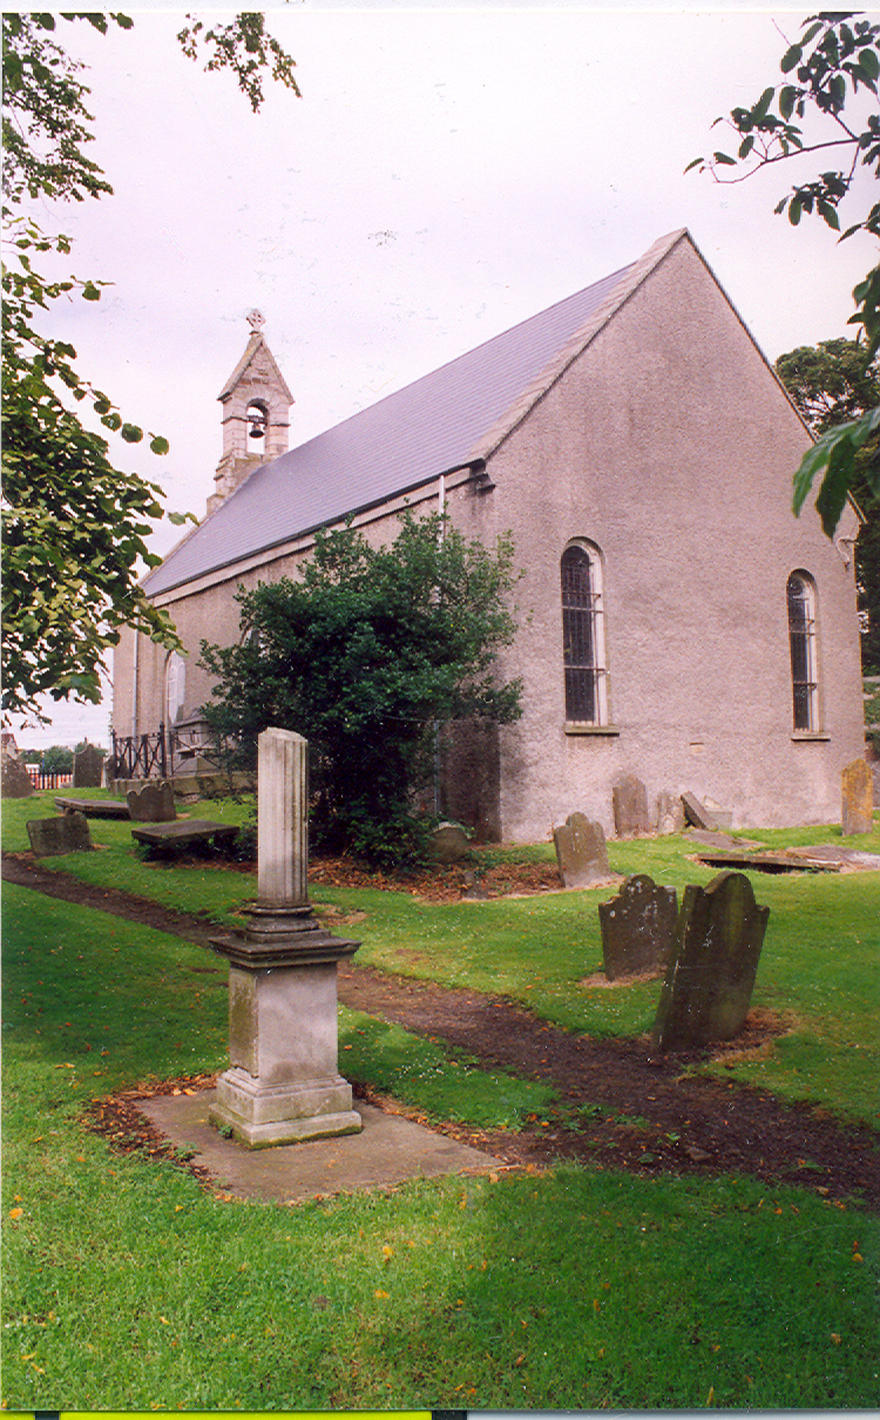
127,1286
819,965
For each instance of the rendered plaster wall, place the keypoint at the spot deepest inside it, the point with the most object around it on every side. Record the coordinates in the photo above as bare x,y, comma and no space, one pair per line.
670,446
213,614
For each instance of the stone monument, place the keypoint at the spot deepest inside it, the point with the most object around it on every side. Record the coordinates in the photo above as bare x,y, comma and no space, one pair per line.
638,927
284,1084
50,837
152,803
88,765
711,975
670,813
581,854
629,798
857,798
16,782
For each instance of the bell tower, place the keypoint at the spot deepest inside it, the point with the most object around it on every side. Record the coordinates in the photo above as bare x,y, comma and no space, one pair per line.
256,415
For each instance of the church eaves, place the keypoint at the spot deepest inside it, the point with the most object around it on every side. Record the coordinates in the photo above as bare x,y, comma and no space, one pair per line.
454,416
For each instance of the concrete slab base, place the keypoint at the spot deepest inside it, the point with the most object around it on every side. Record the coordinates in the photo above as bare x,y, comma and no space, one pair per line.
388,1151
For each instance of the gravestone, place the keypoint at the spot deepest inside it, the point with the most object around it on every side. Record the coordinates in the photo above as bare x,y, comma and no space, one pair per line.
16,782
857,798
283,1085
670,813
581,853
711,974
449,843
154,803
697,814
88,765
638,926
69,833
630,800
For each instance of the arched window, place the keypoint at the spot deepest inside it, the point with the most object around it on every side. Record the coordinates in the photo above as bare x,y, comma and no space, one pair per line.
583,635
175,686
801,593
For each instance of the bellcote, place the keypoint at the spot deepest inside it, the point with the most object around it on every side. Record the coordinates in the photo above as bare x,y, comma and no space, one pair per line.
256,415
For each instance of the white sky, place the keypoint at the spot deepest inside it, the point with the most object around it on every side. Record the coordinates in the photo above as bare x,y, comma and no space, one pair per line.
447,172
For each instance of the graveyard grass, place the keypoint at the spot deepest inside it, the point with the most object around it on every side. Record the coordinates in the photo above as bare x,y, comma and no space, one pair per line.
129,1286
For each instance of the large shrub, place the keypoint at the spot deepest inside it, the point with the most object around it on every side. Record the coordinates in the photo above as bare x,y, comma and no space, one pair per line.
364,654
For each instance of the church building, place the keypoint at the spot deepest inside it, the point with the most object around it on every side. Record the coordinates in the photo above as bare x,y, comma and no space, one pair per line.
677,622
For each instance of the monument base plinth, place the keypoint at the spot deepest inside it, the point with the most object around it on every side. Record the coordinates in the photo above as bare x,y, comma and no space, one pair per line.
261,1115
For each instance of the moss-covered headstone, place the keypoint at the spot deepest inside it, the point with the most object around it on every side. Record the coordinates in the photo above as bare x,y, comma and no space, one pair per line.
711,973
638,928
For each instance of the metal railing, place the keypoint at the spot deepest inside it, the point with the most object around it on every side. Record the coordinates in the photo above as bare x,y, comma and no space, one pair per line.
161,754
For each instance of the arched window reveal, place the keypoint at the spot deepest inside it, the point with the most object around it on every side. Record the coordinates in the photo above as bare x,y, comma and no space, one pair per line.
583,638
802,640
175,686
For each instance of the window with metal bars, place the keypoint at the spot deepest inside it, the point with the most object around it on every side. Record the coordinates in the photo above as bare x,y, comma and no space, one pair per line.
583,639
801,594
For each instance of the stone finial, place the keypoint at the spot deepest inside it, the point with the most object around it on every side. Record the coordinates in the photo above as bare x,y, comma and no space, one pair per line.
256,320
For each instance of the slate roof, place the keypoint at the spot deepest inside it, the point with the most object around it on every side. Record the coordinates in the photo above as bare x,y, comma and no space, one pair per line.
440,422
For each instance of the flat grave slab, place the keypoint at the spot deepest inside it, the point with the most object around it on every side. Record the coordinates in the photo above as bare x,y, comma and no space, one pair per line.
769,862
180,832
389,1150
93,808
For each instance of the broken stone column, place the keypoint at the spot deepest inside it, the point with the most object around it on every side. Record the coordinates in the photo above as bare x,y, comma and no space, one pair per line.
284,1084
708,985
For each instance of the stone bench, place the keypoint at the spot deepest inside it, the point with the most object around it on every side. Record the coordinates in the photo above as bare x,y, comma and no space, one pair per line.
93,808
182,833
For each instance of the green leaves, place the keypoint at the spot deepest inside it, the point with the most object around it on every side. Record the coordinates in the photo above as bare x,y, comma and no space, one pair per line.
833,456
75,526
837,56
369,648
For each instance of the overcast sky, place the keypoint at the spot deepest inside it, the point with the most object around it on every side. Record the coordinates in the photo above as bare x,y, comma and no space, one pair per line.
448,172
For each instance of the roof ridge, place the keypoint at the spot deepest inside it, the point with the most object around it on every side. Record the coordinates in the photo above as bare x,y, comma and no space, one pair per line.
634,275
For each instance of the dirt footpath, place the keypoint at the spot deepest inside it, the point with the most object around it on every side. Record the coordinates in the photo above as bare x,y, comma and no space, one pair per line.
649,1117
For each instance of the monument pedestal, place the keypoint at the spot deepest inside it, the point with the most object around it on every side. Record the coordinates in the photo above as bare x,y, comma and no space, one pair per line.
284,1084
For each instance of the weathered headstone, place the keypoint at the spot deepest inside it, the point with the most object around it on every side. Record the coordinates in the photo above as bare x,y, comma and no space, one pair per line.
711,973
581,852
16,782
630,801
69,833
449,843
638,926
284,1084
88,765
154,803
697,814
857,798
670,813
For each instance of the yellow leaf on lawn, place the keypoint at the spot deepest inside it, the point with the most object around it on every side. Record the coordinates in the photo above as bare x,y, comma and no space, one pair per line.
387,1251
15,1212
380,1295
836,1337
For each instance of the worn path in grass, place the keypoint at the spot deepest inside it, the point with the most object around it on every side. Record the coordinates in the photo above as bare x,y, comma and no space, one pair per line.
648,1116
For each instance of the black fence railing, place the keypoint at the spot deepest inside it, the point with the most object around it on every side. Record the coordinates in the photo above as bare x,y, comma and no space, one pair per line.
141,756
164,753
